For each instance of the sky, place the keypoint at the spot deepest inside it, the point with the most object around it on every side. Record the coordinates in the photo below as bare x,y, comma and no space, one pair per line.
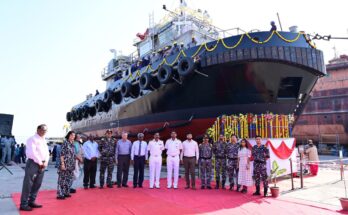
52,52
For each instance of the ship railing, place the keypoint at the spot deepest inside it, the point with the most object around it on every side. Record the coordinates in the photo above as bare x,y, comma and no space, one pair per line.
105,73
136,40
205,35
235,31
133,56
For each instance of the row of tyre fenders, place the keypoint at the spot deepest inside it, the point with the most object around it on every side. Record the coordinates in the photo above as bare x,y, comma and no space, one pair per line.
147,81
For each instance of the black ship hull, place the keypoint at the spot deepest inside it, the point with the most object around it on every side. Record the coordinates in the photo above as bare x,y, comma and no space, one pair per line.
227,82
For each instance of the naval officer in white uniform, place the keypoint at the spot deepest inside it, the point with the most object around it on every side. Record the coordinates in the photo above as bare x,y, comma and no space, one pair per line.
155,148
174,148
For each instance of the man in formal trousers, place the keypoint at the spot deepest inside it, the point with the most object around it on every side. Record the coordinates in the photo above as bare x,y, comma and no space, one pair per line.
91,152
123,152
155,148
38,156
174,148
138,158
190,158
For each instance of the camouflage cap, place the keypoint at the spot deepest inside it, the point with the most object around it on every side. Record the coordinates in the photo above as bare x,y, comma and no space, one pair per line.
108,131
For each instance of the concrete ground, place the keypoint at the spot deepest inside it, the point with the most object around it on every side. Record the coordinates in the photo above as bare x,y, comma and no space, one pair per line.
325,188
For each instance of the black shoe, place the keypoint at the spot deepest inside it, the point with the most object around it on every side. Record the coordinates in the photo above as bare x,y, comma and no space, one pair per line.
92,186
134,186
238,188
193,188
25,208
217,185
265,190
60,197
118,186
187,187
125,185
101,187
231,186
202,187
140,186
72,190
67,195
257,192
110,186
244,190
209,187
86,187
34,205
223,185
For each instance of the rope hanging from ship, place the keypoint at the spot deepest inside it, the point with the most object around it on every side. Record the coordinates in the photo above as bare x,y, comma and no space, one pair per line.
213,47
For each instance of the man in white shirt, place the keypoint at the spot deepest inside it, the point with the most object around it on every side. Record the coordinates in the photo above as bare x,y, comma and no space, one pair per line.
91,153
190,158
155,148
38,156
174,148
138,157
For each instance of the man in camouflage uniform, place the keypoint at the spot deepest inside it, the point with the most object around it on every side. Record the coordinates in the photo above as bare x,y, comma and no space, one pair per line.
107,158
219,150
232,149
205,162
260,154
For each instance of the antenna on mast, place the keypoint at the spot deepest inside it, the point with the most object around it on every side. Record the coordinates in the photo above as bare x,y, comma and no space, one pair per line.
280,24
114,52
335,52
152,28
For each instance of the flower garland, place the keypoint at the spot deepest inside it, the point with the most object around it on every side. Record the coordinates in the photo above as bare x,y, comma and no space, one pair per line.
214,46
249,125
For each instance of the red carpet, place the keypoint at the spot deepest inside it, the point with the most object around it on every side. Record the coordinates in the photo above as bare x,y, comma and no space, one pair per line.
168,202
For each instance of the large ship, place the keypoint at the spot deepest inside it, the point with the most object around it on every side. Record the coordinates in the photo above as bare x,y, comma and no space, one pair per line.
186,72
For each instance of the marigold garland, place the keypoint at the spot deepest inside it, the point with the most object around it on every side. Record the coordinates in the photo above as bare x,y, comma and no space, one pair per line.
249,125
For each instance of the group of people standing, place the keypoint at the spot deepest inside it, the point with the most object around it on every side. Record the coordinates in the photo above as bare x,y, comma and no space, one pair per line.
20,154
8,149
231,157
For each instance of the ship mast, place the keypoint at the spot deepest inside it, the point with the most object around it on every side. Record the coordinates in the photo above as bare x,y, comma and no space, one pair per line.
152,29
182,5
